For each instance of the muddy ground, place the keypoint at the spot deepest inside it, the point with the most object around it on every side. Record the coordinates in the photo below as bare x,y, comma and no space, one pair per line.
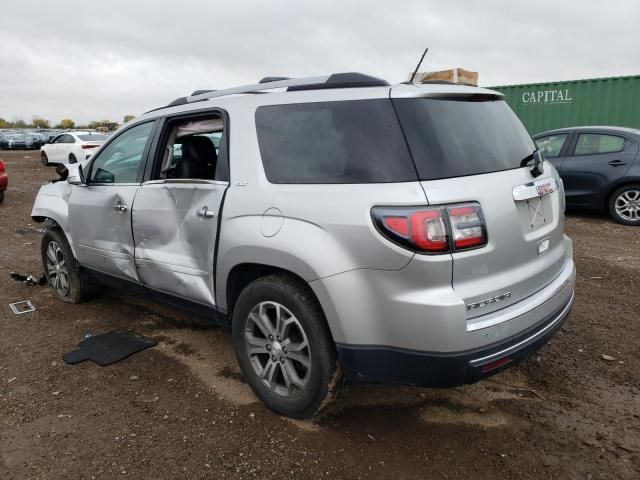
182,410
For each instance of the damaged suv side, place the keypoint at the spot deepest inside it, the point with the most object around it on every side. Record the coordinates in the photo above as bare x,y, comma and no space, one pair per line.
343,229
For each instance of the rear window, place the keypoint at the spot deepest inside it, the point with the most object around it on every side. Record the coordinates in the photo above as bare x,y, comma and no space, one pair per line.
92,137
459,136
357,141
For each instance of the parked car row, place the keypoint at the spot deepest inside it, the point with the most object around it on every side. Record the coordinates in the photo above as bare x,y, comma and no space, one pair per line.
12,140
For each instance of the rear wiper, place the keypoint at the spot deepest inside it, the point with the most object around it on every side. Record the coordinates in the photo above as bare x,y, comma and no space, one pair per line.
536,156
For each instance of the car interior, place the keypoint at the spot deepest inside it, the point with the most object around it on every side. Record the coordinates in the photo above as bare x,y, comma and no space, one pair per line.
192,149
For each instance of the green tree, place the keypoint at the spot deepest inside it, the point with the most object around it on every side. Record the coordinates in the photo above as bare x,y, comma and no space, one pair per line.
4,123
128,118
19,123
66,123
40,123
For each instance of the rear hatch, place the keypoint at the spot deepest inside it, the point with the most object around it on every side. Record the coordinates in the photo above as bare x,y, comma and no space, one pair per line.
468,146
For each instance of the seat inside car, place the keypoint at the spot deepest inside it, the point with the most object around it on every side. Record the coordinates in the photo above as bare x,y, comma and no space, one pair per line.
198,160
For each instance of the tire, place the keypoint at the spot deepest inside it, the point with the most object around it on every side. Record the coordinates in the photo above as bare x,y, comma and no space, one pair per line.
61,269
287,385
1,196
72,158
624,205
44,159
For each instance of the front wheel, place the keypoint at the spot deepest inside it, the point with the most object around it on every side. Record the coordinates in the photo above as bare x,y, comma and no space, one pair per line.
44,159
61,269
624,205
284,347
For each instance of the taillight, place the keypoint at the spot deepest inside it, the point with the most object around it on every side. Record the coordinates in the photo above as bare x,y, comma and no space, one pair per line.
85,146
1,166
441,229
467,226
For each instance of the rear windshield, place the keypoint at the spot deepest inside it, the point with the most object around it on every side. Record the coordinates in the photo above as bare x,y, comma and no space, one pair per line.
92,137
456,137
357,141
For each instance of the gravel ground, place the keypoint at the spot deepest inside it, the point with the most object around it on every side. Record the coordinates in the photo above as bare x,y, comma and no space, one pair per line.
182,409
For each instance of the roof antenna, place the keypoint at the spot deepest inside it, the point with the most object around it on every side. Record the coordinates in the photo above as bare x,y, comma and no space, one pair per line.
418,66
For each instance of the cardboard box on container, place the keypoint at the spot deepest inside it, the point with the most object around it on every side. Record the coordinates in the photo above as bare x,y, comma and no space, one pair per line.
455,75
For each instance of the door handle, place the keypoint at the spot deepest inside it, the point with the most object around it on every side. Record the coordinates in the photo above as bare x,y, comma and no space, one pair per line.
617,163
120,207
204,212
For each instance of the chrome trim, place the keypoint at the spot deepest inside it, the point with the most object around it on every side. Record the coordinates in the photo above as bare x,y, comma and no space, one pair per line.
526,341
532,189
179,181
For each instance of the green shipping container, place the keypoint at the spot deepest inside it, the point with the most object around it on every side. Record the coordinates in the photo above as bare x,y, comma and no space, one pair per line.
597,101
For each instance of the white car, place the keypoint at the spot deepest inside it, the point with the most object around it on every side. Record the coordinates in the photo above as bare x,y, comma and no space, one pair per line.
71,147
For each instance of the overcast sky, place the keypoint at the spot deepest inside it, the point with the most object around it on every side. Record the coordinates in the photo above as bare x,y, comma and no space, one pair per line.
101,60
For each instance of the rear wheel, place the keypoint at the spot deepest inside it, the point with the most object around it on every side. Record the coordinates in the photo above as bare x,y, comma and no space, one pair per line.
44,159
61,269
284,347
624,205
72,158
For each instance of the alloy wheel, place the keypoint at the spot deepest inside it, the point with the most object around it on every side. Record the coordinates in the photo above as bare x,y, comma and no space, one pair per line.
627,205
57,269
278,349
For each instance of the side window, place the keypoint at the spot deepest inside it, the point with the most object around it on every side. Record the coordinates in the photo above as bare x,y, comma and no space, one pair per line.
356,141
595,143
59,139
68,139
120,160
192,150
551,145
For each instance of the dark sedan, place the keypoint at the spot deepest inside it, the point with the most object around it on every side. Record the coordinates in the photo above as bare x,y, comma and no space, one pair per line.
599,166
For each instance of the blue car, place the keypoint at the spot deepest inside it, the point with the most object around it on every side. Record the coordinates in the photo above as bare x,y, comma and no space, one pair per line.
599,166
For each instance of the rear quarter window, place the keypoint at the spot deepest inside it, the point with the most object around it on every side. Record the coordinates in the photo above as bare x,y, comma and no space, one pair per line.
358,141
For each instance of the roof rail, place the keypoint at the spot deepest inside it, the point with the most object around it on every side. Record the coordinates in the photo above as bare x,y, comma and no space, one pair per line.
273,79
336,80
258,87
198,92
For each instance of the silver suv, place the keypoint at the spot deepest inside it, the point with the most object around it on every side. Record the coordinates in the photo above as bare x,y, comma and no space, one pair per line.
342,228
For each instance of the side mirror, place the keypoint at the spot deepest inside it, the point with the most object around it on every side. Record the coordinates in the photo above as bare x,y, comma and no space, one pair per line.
77,177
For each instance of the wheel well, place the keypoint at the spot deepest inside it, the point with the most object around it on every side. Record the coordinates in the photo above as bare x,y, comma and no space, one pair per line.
612,190
245,273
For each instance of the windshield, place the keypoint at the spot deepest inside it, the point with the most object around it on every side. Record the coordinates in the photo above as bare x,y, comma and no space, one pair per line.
462,136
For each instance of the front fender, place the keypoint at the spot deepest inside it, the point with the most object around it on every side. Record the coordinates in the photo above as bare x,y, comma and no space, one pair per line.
52,203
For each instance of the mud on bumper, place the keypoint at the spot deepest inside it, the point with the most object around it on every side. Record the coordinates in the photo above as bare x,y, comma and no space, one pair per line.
378,364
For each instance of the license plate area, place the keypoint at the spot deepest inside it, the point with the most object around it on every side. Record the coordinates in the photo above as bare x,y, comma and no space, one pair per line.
534,203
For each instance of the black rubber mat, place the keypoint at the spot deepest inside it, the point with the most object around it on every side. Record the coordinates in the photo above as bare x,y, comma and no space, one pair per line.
109,347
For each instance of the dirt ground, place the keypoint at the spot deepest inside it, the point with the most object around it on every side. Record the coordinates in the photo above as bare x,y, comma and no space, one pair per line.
182,410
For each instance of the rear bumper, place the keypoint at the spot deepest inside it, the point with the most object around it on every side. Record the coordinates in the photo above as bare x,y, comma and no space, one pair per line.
366,364
4,181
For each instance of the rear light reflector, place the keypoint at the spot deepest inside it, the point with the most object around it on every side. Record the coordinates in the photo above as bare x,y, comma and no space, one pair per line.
495,364
440,229
89,146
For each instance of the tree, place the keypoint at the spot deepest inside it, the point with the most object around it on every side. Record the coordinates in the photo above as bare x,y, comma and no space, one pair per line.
4,123
128,118
40,123
66,123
